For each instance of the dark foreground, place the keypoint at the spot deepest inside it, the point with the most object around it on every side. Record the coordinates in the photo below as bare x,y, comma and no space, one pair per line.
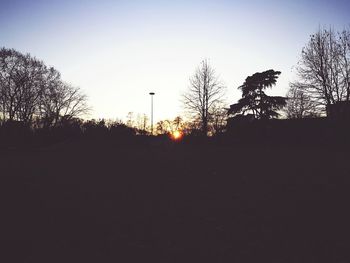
101,202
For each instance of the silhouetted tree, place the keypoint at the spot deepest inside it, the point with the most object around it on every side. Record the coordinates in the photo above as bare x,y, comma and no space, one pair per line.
324,68
130,119
193,127
299,105
142,124
205,91
177,123
21,85
95,128
62,101
30,90
168,126
218,120
119,129
254,99
161,127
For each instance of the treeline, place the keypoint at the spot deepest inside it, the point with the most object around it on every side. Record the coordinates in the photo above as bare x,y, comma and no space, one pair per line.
14,134
35,99
17,133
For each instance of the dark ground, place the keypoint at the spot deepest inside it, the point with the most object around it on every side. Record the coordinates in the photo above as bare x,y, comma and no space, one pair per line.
101,202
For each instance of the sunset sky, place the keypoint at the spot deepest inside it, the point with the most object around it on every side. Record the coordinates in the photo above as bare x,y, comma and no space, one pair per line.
119,51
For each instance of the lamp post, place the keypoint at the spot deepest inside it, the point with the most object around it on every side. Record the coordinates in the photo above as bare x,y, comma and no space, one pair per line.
152,94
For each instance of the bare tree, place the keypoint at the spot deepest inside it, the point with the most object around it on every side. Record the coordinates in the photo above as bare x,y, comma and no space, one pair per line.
161,127
29,89
218,119
20,84
299,105
177,124
63,101
324,68
205,91
169,127
130,120
30,77
142,124
192,127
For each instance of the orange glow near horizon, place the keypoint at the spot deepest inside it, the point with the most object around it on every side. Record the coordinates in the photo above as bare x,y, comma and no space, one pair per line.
176,135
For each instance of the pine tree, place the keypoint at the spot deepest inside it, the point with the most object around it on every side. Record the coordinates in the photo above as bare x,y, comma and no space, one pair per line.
254,99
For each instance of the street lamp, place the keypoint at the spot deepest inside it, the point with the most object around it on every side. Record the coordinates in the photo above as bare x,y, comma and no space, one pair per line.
152,94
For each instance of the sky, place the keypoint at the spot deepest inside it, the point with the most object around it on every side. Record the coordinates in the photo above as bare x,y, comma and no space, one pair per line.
119,51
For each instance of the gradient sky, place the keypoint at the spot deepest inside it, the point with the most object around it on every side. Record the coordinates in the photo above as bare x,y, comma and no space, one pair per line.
119,51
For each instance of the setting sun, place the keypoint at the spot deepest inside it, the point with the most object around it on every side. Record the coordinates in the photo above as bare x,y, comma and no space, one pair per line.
176,135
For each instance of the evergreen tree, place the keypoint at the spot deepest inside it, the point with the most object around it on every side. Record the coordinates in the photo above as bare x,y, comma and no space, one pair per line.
254,99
